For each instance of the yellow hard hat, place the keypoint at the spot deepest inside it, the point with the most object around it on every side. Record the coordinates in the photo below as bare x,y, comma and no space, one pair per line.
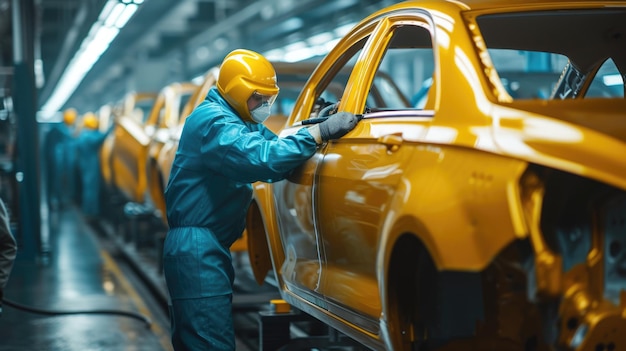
69,116
243,73
90,121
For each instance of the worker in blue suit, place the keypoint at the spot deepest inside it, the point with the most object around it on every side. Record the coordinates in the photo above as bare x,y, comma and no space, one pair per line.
61,161
224,147
88,145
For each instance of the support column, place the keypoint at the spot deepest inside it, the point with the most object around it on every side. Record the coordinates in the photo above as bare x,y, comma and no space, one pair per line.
27,150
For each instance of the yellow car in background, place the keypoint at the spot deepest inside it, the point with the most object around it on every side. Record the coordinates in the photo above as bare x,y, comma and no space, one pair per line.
479,210
135,107
135,135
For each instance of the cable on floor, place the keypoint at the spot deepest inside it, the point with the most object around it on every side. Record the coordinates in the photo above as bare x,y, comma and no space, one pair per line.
46,312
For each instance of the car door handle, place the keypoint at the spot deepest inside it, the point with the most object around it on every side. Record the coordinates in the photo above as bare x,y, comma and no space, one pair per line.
392,141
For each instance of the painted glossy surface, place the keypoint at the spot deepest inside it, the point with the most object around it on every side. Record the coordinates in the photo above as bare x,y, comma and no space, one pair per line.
455,176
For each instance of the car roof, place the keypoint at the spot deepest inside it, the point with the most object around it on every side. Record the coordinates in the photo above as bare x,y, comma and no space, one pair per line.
566,34
503,4
495,5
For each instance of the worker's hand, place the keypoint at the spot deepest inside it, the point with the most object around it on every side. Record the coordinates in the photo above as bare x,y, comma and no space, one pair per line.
337,125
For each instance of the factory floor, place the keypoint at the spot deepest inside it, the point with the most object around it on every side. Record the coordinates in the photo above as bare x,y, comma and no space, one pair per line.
87,293
79,296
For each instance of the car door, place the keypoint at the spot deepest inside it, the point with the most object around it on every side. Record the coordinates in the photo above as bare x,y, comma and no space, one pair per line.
303,265
359,179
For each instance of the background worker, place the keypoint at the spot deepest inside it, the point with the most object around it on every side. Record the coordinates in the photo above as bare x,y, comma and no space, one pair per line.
88,144
223,149
8,250
61,161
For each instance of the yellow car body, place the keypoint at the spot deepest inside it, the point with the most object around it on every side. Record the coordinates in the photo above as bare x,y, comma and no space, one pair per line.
135,106
138,137
485,214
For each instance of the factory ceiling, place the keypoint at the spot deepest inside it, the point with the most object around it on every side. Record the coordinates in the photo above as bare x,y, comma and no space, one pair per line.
164,41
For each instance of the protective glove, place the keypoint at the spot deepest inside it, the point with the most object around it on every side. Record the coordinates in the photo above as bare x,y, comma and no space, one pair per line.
337,125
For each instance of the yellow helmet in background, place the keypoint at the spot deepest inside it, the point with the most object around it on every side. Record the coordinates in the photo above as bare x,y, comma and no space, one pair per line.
90,121
242,73
69,116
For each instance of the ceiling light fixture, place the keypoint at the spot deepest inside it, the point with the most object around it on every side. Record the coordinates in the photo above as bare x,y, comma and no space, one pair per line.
113,17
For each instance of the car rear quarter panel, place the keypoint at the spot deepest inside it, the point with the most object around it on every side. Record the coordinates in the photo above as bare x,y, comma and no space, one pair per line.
466,202
587,137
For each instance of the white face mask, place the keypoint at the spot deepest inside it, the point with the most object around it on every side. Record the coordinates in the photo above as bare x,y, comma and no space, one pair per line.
260,114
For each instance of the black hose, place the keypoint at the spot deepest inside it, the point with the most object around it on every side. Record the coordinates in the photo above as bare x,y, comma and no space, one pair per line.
134,315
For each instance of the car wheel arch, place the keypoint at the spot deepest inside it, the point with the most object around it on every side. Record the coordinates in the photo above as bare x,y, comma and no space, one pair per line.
408,247
420,304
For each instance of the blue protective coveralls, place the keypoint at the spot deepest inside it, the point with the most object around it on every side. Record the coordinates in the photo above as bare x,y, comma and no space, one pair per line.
88,145
207,197
54,137
60,144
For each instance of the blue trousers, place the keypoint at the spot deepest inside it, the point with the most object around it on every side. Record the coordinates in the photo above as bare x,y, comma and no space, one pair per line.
199,275
209,328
